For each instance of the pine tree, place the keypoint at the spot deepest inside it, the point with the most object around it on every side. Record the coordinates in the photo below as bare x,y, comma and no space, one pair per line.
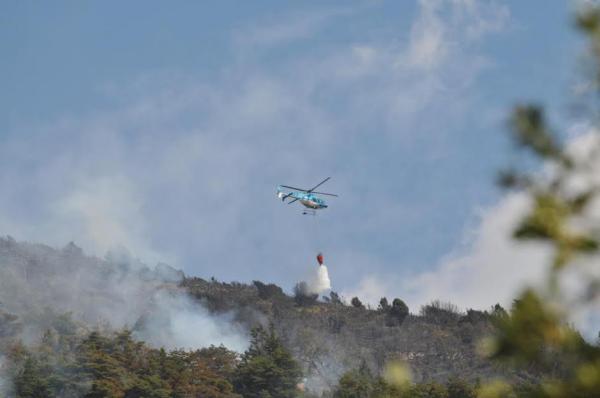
31,382
267,369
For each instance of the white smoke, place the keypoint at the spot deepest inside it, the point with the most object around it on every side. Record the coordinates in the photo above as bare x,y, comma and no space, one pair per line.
37,281
320,281
176,322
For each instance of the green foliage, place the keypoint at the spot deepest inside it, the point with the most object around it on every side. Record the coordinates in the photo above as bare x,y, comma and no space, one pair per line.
395,313
427,390
459,388
267,369
361,383
220,360
498,312
383,304
440,312
530,131
356,303
354,385
99,366
335,298
399,309
268,291
536,332
32,382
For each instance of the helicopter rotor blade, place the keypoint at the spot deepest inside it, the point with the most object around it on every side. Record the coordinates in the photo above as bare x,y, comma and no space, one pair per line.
292,201
318,185
294,188
324,193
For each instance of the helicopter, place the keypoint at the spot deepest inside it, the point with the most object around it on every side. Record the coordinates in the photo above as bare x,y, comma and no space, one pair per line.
308,197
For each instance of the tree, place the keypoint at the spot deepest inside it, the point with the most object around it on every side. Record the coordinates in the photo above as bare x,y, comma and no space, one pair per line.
335,298
426,390
498,311
399,310
358,383
268,291
220,360
356,303
31,382
361,383
384,305
563,197
267,369
440,312
459,388
354,385
107,375
117,366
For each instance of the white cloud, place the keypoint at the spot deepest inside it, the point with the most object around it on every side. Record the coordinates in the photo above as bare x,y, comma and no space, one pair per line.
494,268
446,27
428,45
491,269
402,82
297,26
188,166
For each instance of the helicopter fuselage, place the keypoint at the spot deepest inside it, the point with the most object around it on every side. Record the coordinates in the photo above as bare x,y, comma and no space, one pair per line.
312,202
309,200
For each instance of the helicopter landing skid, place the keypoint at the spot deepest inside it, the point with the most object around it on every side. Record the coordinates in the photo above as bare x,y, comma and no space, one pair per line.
309,212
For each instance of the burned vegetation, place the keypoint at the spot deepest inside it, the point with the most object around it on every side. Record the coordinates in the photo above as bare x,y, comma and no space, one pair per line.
328,336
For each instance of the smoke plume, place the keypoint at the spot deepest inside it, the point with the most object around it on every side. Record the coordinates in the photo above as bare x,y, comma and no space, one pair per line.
38,283
176,321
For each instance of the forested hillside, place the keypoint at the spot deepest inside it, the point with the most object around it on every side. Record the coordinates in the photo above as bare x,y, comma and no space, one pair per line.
72,325
329,336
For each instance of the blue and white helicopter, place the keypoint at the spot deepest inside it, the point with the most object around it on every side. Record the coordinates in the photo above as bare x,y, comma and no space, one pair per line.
308,197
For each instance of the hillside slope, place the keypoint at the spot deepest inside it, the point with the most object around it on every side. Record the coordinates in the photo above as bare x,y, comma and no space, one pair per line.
163,307
329,337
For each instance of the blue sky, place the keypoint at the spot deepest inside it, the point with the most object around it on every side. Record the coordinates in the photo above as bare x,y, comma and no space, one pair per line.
165,128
